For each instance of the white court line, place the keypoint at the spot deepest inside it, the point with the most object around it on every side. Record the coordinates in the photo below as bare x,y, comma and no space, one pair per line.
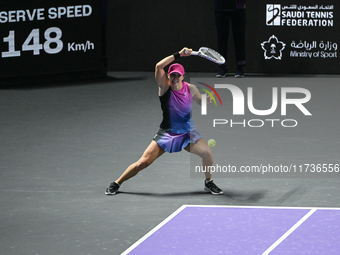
291,230
154,230
266,207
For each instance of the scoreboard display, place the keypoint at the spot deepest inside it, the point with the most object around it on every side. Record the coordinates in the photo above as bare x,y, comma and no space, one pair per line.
47,37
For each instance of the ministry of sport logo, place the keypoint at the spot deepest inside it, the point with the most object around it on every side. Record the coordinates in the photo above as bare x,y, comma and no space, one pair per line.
288,97
273,48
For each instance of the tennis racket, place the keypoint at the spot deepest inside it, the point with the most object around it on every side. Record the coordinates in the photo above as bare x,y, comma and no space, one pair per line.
208,54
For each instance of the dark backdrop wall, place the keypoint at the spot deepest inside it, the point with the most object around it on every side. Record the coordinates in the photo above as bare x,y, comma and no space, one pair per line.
140,33
294,36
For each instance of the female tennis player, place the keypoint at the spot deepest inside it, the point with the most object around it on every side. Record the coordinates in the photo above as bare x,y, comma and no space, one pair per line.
177,131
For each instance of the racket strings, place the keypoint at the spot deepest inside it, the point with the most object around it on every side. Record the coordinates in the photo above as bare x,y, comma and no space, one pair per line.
213,54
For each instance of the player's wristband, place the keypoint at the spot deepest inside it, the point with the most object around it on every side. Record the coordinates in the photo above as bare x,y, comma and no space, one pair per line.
177,55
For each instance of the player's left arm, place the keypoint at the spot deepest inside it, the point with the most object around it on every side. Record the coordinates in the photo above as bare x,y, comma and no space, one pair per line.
197,96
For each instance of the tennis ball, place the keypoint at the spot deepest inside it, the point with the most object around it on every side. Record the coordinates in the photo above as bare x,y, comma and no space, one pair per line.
211,142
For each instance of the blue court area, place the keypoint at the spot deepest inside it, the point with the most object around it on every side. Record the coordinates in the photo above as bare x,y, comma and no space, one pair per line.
243,230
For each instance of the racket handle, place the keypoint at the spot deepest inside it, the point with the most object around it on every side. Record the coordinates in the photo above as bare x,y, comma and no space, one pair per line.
192,53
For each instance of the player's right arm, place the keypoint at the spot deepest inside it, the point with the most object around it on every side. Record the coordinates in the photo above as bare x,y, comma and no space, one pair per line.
160,75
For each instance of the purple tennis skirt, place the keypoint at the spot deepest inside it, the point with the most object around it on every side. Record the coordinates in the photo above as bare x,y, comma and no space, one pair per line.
172,142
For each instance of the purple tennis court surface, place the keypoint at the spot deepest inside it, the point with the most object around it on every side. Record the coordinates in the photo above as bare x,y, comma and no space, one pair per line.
244,230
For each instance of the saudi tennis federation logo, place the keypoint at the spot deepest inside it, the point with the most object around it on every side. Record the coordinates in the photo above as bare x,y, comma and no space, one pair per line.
273,48
273,14
204,97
